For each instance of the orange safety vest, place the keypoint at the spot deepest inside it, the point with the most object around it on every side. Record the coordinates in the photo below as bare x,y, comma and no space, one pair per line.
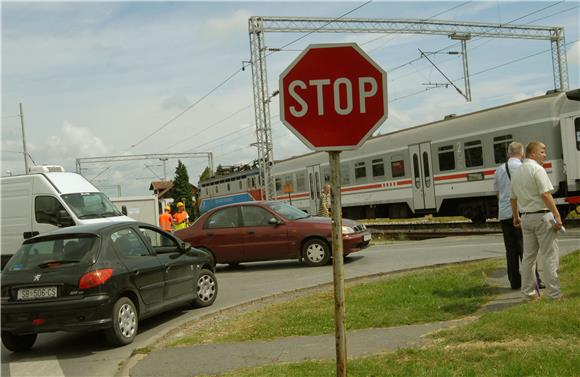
179,218
165,221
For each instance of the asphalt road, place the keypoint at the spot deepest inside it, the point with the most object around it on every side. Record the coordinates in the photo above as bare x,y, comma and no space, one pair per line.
62,354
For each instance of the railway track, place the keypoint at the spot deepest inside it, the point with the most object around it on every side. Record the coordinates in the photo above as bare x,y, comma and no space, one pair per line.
425,229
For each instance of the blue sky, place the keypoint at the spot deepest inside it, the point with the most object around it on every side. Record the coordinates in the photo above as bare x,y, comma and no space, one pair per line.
96,78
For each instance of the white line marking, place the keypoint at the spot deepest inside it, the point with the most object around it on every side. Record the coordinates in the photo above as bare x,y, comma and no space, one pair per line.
44,368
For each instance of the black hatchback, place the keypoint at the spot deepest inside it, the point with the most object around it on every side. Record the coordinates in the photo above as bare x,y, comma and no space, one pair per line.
104,276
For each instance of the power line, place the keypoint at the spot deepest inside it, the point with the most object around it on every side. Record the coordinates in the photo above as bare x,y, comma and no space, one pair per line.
186,109
322,27
212,125
457,44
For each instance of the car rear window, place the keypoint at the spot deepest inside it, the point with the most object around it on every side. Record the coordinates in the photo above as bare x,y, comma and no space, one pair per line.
53,252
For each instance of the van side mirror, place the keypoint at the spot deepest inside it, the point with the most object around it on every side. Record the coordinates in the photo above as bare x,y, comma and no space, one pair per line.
124,210
63,218
274,221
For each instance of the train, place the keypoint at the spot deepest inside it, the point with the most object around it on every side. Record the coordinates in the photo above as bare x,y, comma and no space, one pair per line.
445,168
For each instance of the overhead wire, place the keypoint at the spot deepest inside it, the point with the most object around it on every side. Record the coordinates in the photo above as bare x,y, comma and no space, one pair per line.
473,48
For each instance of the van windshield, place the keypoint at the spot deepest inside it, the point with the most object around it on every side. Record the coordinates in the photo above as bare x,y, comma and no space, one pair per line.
91,205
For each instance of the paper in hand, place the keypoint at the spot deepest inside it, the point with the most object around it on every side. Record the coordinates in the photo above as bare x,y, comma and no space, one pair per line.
550,221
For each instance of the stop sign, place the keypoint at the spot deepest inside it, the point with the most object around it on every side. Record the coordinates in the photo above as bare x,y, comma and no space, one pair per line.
333,96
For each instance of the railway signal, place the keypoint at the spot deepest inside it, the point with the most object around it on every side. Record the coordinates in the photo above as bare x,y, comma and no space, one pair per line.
333,97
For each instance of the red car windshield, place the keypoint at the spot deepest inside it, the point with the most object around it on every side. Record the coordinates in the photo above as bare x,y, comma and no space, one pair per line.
287,211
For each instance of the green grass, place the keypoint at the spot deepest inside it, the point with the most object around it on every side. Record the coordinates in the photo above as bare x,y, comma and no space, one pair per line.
422,296
541,360
541,338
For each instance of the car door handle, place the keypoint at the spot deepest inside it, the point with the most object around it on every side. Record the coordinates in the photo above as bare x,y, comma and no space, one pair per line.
136,272
250,232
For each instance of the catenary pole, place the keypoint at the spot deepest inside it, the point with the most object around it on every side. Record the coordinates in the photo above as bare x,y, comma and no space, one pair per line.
24,141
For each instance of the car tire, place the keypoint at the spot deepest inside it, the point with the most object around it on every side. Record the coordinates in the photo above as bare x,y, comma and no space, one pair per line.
18,343
316,252
125,323
206,289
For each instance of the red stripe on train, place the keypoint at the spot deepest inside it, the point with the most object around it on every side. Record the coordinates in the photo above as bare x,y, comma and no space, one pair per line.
573,199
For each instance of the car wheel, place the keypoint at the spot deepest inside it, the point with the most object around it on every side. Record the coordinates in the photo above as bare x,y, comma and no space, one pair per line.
316,252
125,323
206,289
210,254
18,343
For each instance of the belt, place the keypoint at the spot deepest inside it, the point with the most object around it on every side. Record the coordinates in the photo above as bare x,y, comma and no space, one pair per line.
534,212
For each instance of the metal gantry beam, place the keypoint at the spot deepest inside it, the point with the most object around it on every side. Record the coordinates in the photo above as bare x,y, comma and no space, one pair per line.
155,156
259,25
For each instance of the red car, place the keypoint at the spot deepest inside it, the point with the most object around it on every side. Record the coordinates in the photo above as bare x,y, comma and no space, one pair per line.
267,230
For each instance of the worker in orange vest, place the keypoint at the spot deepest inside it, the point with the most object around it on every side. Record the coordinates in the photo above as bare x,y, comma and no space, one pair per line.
166,220
180,218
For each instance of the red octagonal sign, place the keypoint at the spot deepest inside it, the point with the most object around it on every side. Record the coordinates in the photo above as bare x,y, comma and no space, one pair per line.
333,96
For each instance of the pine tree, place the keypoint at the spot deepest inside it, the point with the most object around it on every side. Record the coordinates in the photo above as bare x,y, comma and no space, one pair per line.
182,189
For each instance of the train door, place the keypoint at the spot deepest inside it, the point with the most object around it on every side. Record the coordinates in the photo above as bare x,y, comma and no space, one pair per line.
314,187
422,174
571,148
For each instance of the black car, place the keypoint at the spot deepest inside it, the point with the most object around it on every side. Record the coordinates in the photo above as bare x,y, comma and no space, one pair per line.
101,276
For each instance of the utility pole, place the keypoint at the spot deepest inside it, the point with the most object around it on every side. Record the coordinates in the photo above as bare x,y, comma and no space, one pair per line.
24,141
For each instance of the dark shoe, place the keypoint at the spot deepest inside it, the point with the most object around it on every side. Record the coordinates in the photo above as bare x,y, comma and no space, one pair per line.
515,287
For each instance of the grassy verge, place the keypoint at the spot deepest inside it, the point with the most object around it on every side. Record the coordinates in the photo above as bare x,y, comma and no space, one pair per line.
422,296
540,338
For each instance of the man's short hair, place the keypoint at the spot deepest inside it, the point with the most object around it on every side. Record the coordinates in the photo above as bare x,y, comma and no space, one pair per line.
515,149
533,147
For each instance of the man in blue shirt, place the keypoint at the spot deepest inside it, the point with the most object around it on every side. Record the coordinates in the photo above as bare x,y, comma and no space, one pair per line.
512,236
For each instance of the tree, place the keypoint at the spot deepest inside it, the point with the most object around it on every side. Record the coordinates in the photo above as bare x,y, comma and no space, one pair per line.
205,175
182,190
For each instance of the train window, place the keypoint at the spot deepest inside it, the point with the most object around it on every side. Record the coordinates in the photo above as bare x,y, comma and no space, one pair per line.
278,185
229,187
300,184
360,170
416,170
473,153
345,174
240,184
398,168
325,171
446,158
500,147
216,189
378,168
577,127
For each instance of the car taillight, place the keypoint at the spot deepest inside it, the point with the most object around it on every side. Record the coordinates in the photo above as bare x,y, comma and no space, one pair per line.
94,278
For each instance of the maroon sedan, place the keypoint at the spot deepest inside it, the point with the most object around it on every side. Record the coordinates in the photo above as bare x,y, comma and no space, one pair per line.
265,230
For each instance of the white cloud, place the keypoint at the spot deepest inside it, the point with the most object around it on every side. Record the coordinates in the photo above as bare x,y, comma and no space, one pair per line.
72,143
179,102
573,54
235,23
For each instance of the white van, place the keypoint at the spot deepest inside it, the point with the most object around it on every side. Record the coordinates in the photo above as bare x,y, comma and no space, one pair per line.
40,202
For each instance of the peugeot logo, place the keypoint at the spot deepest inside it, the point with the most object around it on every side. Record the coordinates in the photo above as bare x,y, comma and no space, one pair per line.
36,277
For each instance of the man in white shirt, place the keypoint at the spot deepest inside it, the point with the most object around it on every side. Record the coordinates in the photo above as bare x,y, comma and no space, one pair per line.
512,236
532,192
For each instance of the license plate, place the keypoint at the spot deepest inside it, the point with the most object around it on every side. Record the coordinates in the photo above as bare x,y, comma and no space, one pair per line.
36,293
367,237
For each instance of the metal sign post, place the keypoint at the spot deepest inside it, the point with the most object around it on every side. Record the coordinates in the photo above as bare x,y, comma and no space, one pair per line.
338,263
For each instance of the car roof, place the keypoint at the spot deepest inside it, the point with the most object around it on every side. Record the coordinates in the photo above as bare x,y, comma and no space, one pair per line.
97,228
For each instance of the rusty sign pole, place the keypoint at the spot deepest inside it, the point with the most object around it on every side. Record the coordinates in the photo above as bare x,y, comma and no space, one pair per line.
338,263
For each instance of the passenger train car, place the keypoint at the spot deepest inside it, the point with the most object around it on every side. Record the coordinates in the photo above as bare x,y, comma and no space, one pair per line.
445,167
